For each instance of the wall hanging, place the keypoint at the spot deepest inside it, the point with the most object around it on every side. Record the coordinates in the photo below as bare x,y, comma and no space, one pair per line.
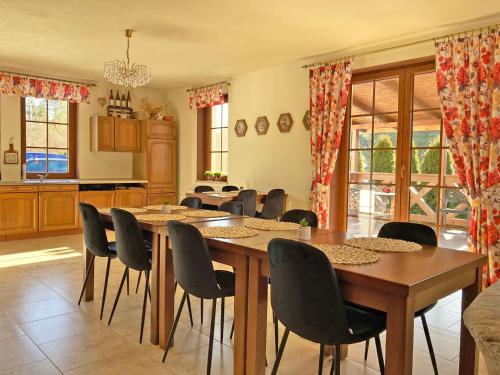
261,125
285,122
240,128
306,120
11,156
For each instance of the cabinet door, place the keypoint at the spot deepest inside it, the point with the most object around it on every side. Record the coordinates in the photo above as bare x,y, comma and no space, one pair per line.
98,199
162,163
130,198
154,199
105,133
58,210
127,135
160,129
18,213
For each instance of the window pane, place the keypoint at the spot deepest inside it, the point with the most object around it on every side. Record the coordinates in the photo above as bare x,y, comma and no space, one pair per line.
359,200
361,132
225,135
215,165
450,177
359,166
216,140
362,98
225,114
425,93
423,204
58,111
58,136
426,127
217,116
58,161
385,130
454,207
386,95
36,109
383,199
36,134
425,167
36,160
224,163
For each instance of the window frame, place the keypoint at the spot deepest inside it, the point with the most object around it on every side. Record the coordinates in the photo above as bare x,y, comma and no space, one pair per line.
72,144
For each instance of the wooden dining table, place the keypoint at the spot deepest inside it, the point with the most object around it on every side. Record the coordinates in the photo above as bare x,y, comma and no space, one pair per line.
399,284
217,198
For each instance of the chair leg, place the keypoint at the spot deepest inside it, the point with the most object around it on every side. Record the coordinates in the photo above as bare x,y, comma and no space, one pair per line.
144,305
172,332
380,355
118,295
149,293
91,264
429,343
189,309
335,369
138,282
276,335
128,282
222,320
280,352
106,277
201,314
321,356
232,331
211,343
367,345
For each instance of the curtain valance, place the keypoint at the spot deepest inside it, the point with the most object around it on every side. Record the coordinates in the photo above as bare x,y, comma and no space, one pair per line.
207,96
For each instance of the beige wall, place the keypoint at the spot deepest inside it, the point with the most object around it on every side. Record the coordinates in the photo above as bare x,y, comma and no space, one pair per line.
275,159
90,164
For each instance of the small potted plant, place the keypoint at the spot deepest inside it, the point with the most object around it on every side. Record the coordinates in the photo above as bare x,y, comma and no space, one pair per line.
166,207
217,176
208,175
223,178
304,230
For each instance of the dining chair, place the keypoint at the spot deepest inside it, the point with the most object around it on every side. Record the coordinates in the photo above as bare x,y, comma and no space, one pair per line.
203,188
191,202
296,216
307,300
228,188
249,199
132,252
195,273
273,205
423,235
233,207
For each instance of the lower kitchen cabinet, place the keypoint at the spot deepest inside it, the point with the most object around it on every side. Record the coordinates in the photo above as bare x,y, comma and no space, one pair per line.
130,198
18,213
58,210
160,198
98,199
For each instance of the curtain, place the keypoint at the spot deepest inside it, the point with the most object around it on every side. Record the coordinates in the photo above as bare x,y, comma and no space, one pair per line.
329,94
12,84
206,97
468,80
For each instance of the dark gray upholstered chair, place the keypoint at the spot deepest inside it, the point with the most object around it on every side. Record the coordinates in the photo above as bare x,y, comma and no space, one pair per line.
424,235
203,188
249,200
296,215
273,205
307,300
195,274
230,188
191,202
233,207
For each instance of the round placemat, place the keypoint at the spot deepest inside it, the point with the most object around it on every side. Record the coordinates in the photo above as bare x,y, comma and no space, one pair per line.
158,207
342,254
205,213
263,224
159,217
132,210
384,244
228,232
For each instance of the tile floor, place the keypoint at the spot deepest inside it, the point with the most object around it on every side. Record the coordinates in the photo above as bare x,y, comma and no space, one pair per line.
43,331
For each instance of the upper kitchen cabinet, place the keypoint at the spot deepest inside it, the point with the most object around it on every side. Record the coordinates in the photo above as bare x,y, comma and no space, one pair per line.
115,134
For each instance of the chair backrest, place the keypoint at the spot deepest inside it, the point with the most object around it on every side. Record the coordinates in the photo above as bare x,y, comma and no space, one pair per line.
94,234
191,202
296,215
249,199
305,293
130,244
203,188
193,266
419,233
230,188
273,205
233,207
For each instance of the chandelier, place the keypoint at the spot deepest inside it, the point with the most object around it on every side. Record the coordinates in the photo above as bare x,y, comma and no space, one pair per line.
121,72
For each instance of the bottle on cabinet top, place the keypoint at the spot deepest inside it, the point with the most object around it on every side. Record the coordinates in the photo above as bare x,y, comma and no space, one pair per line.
128,99
123,101
117,98
111,100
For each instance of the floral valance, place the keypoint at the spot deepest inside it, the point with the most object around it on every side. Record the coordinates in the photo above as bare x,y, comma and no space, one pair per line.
206,96
14,84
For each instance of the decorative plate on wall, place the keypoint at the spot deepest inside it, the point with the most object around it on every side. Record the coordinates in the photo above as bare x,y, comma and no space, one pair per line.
285,122
240,128
306,120
261,125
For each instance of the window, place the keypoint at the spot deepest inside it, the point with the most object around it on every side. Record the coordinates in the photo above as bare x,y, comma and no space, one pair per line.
48,137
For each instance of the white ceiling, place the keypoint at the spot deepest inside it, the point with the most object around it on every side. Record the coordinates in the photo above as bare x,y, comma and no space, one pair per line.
188,42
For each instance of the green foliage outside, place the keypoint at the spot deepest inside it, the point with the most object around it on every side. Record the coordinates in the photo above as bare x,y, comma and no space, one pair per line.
384,161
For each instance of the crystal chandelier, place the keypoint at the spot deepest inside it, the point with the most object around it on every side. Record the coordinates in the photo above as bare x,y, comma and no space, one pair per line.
121,72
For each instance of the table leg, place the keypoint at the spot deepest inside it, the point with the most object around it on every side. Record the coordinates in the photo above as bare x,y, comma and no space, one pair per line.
166,292
399,338
240,314
469,357
89,288
257,318
155,247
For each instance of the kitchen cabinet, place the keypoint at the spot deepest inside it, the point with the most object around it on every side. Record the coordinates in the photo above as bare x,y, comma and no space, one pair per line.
160,198
98,199
130,197
115,134
58,209
18,211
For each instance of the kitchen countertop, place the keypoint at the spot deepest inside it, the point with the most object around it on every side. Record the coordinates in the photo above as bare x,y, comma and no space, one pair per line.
70,181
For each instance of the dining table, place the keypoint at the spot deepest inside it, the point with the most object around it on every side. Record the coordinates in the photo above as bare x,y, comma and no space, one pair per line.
216,198
398,284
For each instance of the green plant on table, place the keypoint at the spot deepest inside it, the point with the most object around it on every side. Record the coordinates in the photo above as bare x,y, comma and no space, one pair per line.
303,223
166,202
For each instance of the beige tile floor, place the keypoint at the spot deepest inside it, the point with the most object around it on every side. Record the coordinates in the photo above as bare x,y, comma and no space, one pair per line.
43,331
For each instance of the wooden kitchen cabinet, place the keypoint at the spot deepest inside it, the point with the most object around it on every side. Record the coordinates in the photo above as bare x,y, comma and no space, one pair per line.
58,210
162,168
130,198
98,199
160,198
18,212
115,134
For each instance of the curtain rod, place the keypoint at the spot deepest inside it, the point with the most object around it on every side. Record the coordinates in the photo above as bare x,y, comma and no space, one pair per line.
50,78
452,35
213,84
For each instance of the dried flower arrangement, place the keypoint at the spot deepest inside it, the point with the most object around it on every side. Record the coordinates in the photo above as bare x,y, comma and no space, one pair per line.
154,112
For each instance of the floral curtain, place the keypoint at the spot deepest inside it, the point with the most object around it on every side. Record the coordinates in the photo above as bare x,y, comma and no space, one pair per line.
12,84
329,93
468,80
206,97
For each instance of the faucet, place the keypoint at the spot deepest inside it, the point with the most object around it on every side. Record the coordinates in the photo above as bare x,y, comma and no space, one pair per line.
43,176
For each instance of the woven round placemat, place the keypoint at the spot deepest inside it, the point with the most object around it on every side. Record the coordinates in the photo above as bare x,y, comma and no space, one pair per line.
132,210
342,254
205,213
263,224
389,245
158,207
159,217
228,232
